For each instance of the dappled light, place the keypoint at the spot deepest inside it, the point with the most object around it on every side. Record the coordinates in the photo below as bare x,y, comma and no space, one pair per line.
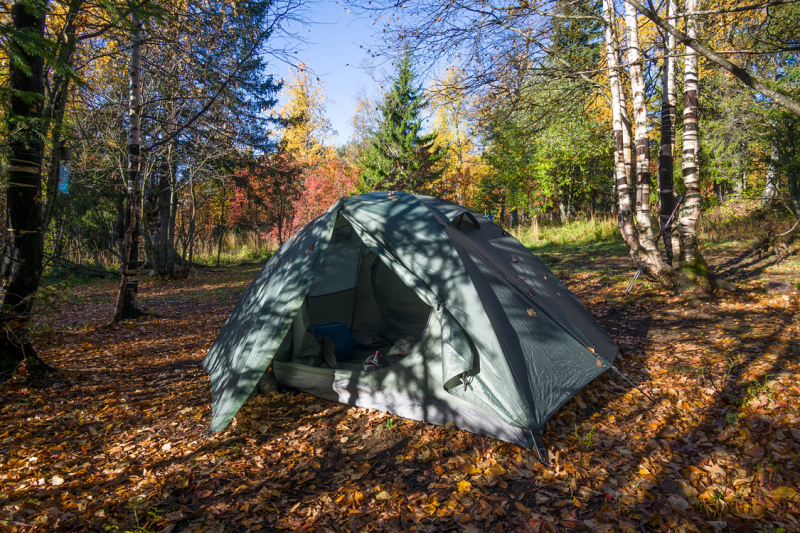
121,437
400,266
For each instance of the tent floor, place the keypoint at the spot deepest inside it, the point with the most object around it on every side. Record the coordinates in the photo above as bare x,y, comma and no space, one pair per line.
356,361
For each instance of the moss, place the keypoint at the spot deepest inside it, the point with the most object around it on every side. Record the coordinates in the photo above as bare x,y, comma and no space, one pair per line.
699,274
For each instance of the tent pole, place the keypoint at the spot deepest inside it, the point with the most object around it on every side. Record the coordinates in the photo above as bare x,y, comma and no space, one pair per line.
631,383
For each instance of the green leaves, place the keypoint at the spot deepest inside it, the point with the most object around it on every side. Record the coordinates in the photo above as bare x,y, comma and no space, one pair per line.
399,157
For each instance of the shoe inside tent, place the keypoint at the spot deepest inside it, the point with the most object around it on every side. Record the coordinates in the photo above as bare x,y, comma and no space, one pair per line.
418,307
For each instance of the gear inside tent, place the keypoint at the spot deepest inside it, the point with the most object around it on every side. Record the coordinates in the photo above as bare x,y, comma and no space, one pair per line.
418,307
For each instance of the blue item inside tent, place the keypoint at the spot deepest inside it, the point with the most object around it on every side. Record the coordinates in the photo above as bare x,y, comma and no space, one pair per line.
341,336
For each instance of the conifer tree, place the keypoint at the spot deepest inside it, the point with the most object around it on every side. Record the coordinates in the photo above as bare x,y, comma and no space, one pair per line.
399,157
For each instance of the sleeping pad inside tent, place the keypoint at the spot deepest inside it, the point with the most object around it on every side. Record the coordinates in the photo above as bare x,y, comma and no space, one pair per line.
415,306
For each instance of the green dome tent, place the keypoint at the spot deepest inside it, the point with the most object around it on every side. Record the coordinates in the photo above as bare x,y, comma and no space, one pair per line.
494,342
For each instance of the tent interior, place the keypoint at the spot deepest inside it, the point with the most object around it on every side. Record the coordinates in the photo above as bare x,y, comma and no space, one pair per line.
356,306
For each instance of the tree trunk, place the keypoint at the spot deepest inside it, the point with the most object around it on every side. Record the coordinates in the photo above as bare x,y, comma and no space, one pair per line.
647,239
57,107
24,243
794,192
187,265
173,211
738,184
129,286
638,236
691,207
692,263
621,173
120,226
642,141
627,144
666,154
691,42
770,194
221,233
159,209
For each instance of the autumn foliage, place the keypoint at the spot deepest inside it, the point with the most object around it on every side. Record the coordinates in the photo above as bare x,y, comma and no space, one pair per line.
120,442
287,188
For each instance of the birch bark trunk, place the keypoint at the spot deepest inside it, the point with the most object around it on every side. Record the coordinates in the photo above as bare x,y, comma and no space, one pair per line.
621,140
692,263
691,208
634,219
648,250
642,138
129,286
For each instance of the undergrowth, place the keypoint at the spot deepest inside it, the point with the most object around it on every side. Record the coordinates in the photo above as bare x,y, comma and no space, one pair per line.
742,220
591,230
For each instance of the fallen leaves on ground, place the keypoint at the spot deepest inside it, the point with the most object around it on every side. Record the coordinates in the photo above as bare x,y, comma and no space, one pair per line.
120,439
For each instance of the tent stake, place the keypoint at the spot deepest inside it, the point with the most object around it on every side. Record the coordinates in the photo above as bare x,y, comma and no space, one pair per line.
538,442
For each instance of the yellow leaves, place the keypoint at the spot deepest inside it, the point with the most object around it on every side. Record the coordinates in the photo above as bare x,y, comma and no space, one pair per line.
470,469
308,127
496,470
297,479
784,493
531,312
692,472
431,506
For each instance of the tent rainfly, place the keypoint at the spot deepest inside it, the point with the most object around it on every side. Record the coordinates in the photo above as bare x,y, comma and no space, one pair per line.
468,325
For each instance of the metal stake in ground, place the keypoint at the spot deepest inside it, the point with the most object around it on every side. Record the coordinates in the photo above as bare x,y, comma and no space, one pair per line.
663,229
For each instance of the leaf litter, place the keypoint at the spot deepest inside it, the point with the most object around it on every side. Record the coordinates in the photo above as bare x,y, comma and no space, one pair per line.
119,439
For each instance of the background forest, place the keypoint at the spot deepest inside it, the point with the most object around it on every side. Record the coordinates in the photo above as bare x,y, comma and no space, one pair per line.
155,153
153,131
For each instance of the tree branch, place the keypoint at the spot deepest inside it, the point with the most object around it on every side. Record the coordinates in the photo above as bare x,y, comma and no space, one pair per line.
748,79
751,7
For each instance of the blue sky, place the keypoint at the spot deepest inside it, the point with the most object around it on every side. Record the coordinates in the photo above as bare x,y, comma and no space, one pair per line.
333,53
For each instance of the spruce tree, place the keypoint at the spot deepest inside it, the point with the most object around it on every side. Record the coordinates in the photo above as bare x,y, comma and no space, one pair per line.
399,158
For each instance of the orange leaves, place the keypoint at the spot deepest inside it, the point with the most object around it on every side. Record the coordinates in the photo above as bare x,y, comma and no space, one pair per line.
129,428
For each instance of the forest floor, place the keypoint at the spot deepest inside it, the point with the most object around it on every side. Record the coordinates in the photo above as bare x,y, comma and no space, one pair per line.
119,440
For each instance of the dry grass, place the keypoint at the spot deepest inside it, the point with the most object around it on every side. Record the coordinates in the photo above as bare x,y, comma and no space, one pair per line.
743,220
234,248
591,230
